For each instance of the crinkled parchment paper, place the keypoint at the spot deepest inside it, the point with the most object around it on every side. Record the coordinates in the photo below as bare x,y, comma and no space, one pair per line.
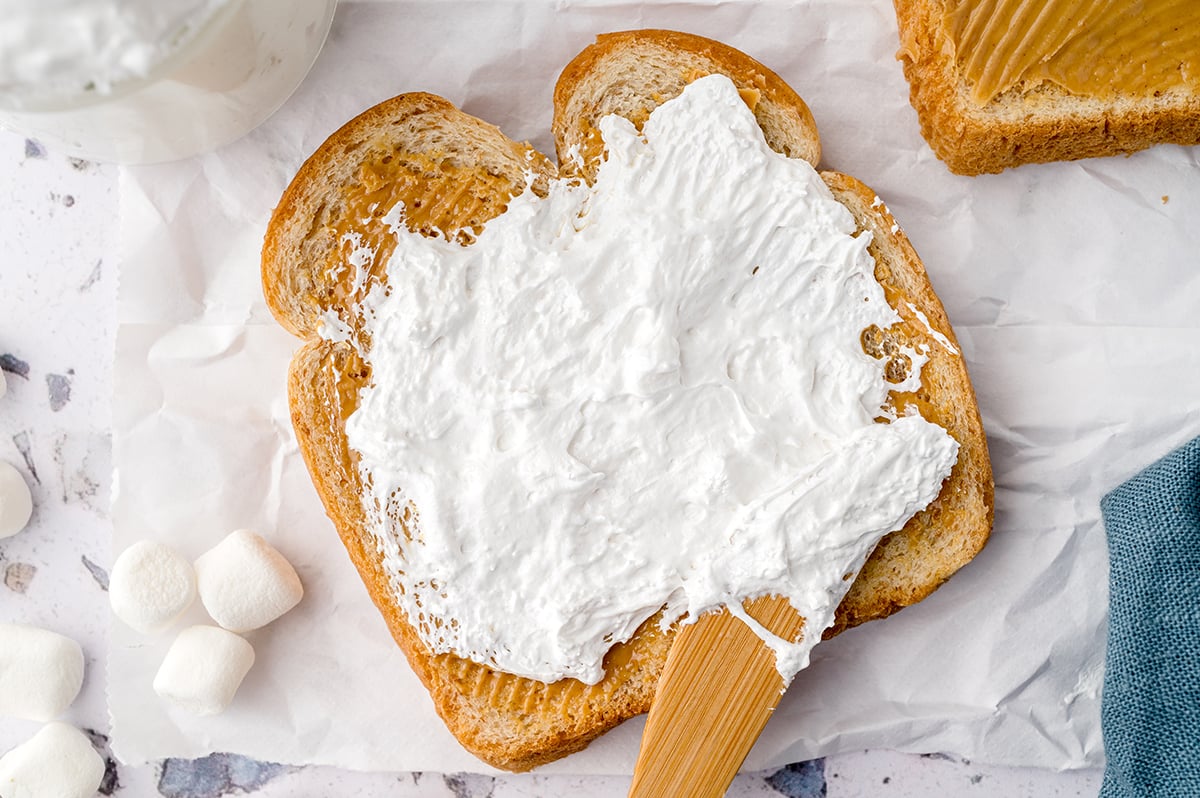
1074,289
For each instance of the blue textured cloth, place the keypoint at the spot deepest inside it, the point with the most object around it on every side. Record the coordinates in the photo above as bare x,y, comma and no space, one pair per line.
1150,710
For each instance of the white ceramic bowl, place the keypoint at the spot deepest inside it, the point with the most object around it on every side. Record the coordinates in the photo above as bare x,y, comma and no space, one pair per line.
225,81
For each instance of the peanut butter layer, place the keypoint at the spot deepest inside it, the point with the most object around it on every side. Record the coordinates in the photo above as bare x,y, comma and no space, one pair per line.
1091,48
592,148
436,194
623,663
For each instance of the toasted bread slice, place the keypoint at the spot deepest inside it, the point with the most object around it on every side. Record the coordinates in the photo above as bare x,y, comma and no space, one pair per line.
1036,119
454,173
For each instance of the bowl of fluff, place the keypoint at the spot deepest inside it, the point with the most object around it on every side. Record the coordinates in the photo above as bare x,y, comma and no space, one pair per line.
146,81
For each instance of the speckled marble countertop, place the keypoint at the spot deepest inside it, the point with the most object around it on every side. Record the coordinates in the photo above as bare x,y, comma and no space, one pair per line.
58,282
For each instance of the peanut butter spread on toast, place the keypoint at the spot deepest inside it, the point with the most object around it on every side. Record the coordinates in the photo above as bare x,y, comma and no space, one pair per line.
1091,48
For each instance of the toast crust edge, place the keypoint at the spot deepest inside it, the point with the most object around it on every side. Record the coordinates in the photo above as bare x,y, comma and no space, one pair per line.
599,81
1026,124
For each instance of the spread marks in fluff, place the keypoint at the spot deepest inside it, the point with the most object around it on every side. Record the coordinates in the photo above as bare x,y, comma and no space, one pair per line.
645,393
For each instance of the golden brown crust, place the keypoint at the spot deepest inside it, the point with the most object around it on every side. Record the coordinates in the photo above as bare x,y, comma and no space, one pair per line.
631,73
1027,123
911,563
510,722
416,135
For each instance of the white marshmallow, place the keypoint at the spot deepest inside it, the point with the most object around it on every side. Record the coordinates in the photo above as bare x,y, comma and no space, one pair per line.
3,384
40,672
203,669
57,762
16,504
245,583
150,586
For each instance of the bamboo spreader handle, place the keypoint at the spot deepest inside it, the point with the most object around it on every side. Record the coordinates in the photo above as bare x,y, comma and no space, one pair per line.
718,688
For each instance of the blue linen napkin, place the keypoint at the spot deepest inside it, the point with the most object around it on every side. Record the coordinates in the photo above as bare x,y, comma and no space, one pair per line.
1150,709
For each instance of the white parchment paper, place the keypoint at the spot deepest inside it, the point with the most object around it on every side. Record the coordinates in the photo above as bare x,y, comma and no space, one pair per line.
1074,289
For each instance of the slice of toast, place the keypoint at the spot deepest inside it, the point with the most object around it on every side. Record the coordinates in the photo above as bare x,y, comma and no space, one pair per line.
983,117
454,173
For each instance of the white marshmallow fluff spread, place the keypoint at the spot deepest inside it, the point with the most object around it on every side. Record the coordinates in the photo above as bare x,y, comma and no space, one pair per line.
643,393
63,47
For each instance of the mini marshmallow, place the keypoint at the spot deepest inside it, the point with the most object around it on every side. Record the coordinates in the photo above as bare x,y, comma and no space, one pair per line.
40,672
245,583
150,586
203,669
16,504
3,384
57,762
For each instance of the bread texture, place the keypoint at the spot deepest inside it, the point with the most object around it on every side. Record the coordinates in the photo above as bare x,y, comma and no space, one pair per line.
1036,120
454,173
